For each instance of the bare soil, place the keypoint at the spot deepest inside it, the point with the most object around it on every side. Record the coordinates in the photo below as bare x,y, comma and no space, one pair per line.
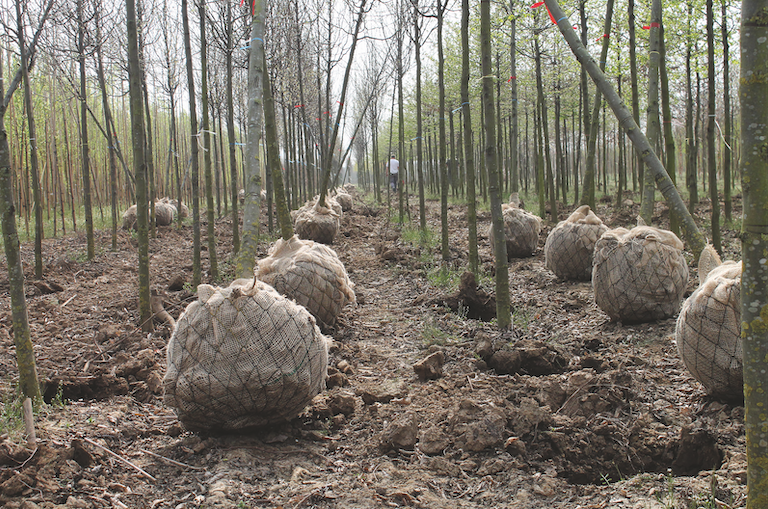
592,413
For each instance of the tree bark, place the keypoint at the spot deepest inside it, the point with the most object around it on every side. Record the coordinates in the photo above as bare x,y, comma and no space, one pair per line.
206,136
139,165
652,113
711,158
250,238
91,251
469,161
503,317
754,240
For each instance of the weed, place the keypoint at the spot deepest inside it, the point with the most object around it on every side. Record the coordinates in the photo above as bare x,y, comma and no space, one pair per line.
521,318
443,277
11,415
432,335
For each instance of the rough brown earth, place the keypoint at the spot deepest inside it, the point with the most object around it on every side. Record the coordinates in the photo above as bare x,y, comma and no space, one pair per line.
566,410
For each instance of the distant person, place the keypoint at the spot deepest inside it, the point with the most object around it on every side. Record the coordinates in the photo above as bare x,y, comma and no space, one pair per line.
394,171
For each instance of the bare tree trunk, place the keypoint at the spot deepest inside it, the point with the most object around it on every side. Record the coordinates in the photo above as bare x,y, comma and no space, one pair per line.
25,355
727,152
33,159
84,132
666,186
273,158
469,161
251,215
669,137
196,263
139,165
234,188
754,301
206,136
653,130
503,316
711,158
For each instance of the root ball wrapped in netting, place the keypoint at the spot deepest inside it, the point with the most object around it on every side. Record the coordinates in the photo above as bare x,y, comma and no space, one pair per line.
344,199
311,274
708,332
569,246
639,275
165,213
243,356
521,229
318,223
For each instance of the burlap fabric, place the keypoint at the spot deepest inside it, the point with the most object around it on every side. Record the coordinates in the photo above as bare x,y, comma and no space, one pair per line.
344,199
521,229
311,274
243,356
639,275
569,246
181,208
708,332
317,223
165,213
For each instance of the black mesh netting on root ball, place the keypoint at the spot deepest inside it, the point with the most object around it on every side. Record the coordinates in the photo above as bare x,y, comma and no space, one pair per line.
569,246
708,332
243,356
639,275
309,273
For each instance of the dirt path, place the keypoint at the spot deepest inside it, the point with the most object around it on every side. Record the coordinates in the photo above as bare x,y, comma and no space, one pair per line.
599,415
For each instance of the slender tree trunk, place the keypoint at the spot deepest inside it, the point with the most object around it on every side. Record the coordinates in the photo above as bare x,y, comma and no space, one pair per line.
669,138
542,106
727,152
514,137
33,159
25,355
652,113
273,157
469,161
84,133
690,161
691,232
754,301
139,165
445,248
419,122
196,263
247,255
633,77
206,136
234,188
503,317
588,192
711,157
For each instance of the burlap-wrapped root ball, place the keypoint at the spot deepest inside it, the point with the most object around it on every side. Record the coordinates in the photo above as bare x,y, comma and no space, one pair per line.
344,199
569,246
165,213
521,229
311,274
708,332
181,208
243,356
318,223
639,275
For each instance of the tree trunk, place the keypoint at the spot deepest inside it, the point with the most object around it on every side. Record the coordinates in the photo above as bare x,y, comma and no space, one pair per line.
690,160
711,158
669,138
419,121
633,77
666,186
84,133
196,264
206,136
139,165
653,130
754,302
33,159
727,117
25,355
247,255
469,161
445,248
514,137
234,188
588,192
273,158
503,317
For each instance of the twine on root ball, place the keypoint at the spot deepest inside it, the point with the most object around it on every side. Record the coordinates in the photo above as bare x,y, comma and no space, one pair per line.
708,330
639,275
569,246
311,274
243,356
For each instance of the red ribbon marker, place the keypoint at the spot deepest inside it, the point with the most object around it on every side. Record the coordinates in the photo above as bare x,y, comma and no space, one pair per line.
511,78
604,36
299,106
539,4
